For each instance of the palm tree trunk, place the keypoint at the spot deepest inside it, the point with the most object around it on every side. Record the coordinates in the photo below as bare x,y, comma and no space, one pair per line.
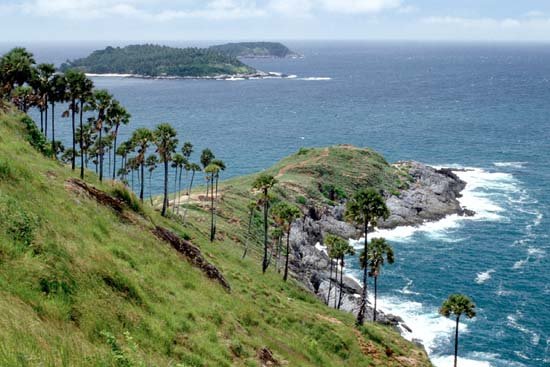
363,307
189,198
114,151
375,296
81,141
264,262
212,227
329,282
335,286
46,117
456,341
165,200
179,191
41,120
247,240
142,188
151,187
53,130
73,158
100,154
285,276
341,282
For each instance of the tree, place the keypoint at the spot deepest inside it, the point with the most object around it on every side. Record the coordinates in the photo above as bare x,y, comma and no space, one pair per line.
166,142
75,82
141,140
85,94
100,101
57,92
151,162
40,82
212,170
286,214
251,206
118,115
16,69
193,167
338,248
178,162
456,306
264,183
206,158
123,150
365,208
380,252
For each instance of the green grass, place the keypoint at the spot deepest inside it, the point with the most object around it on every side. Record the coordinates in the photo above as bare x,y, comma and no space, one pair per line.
79,286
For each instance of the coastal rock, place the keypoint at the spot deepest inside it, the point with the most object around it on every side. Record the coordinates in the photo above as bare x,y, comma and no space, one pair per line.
431,195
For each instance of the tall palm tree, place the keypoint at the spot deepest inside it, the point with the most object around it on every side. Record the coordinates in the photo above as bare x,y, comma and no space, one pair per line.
85,94
456,306
100,102
151,162
142,138
44,74
338,248
193,167
287,214
123,150
251,206
206,158
365,208
118,115
380,252
166,142
74,80
16,69
330,242
344,249
178,162
264,183
57,93
212,170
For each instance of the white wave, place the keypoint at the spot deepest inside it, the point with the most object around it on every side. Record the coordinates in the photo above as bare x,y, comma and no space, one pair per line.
484,276
510,164
111,75
314,78
513,322
407,288
448,361
520,263
292,76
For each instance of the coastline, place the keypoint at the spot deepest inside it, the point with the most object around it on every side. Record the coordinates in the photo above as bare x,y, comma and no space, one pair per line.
252,76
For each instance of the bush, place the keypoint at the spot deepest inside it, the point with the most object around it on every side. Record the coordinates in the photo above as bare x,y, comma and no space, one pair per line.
121,192
36,138
18,224
301,200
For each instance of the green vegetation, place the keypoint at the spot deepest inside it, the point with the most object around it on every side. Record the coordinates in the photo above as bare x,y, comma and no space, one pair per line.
338,249
380,252
254,49
456,306
155,60
86,287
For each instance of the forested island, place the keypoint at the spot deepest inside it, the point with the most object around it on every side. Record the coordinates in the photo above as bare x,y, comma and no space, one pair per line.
160,61
256,50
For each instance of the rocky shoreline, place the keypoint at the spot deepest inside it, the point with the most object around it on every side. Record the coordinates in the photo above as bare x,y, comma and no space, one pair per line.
250,76
431,195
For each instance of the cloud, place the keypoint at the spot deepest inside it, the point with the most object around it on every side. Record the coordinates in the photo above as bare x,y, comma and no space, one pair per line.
534,14
359,6
473,22
293,8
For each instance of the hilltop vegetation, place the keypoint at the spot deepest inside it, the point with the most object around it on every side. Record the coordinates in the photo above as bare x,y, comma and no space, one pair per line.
254,49
82,285
155,60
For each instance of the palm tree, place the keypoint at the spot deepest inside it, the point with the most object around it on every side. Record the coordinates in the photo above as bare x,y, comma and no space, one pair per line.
456,306
142,139
212,170
251,206
286,213
117,116
187,150
338,248
330,242
15,69
344,249
380,251
178,162
75,81
365,208
100,101
123,150
85,94
166,142
206,158
151,162
57,93
263,183
193,167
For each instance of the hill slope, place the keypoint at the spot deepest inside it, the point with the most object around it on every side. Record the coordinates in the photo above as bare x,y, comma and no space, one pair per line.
155,60
82,284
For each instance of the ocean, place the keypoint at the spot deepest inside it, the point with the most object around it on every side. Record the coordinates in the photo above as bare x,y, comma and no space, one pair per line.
484,107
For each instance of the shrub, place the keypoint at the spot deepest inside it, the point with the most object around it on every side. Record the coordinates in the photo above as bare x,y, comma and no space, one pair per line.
129,198
18,224
301,200
36,138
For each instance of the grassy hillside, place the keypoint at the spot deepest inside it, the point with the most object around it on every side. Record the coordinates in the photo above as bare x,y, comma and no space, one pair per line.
81,285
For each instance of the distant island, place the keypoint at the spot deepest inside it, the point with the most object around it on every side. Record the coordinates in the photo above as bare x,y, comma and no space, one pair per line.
155,61
256,50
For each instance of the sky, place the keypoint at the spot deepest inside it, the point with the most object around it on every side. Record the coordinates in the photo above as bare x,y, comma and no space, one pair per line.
144,20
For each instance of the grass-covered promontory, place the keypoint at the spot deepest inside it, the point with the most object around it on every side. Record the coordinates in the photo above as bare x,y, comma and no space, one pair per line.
84,285
154,61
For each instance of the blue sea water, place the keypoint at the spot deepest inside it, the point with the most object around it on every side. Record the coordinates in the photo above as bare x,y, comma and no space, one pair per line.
478,106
